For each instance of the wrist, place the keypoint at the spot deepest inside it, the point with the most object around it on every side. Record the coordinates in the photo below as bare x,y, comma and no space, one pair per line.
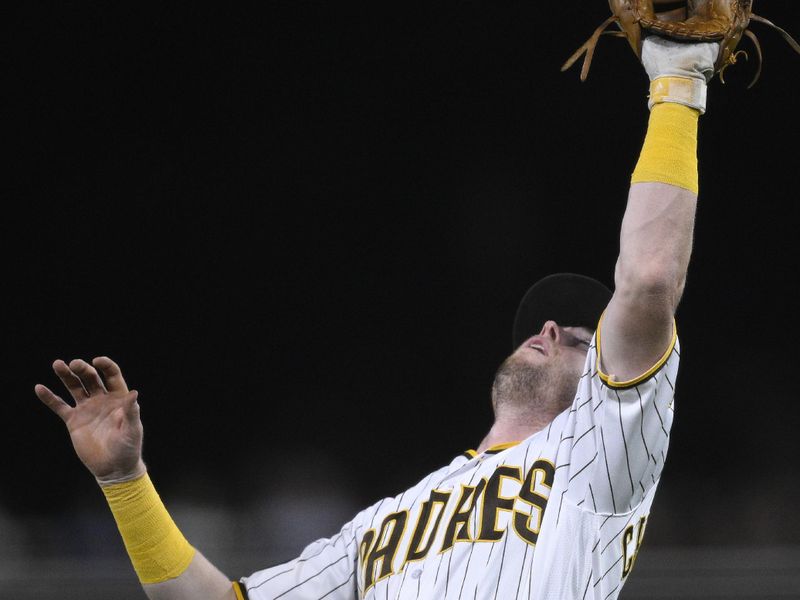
122,476
688,91
679,71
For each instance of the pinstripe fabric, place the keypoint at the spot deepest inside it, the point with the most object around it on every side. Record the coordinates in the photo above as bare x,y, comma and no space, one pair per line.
561,515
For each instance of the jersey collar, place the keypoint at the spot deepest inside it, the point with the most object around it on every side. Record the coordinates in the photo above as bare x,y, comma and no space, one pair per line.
493,450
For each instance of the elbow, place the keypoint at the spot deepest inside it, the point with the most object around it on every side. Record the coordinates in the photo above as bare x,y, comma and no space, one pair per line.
657,283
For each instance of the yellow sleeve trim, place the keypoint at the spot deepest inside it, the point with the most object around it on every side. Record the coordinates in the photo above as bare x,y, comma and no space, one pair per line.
644,376
237,590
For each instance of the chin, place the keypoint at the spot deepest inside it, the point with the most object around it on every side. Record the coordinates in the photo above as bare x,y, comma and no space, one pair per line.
526,375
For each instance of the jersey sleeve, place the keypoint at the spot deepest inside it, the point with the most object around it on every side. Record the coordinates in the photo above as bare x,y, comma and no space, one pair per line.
620,433
325,569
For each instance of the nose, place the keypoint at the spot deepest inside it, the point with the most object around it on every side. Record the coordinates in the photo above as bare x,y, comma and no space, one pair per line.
551,330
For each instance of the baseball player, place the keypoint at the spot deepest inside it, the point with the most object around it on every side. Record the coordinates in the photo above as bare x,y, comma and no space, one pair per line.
554,501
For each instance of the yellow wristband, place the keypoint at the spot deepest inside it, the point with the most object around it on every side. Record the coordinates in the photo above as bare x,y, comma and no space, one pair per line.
157,548
669,152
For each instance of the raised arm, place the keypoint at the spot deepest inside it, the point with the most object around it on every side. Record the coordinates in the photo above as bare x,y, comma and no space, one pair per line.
106,432
656,234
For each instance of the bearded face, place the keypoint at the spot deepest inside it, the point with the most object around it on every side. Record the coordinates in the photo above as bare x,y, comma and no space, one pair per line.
540,378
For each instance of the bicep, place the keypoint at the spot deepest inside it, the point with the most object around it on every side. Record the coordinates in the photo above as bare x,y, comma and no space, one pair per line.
633,336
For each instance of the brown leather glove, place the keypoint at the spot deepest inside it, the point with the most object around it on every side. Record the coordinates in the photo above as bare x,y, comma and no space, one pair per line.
722,21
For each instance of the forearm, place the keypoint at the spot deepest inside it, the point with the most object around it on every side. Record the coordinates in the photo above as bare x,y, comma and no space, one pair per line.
168,567
655,243
200,580
656,235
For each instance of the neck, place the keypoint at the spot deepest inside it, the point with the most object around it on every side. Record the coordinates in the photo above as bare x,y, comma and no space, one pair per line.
525,399
507,429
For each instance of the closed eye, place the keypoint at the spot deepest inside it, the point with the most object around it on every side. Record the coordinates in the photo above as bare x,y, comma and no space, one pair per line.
578,337
576,341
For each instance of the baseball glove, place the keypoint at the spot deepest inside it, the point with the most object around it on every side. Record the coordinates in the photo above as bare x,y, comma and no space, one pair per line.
723,21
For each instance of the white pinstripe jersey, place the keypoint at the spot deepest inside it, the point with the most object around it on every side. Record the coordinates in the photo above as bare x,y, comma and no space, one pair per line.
560,515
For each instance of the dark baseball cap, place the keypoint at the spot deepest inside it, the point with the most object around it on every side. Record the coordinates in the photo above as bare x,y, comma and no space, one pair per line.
569,299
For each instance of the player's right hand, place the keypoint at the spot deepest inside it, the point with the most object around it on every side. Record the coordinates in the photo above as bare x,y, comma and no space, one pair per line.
104,423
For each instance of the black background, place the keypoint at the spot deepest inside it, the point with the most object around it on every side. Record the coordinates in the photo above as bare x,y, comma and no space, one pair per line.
302,230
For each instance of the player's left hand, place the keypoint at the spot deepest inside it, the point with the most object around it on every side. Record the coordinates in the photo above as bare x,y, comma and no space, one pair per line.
104,423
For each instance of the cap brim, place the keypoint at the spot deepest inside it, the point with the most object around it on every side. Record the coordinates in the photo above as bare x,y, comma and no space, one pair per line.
569,299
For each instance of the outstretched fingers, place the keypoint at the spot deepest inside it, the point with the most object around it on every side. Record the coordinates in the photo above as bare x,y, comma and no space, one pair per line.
53,402
88,376
70,381
83,381
112,374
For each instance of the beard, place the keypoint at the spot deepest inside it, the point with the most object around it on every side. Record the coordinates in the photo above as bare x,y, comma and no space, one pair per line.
539,389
